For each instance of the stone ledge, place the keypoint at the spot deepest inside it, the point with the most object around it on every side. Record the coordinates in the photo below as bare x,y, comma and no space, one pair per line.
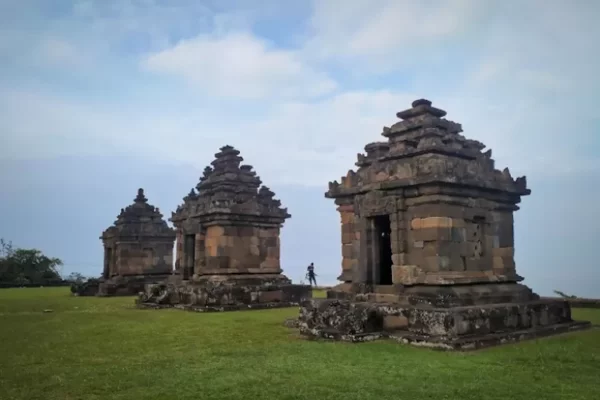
489,340
444,343
451,328
235,307
223,296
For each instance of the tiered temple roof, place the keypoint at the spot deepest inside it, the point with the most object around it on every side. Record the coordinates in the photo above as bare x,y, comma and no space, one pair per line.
139,219
230,192
425,148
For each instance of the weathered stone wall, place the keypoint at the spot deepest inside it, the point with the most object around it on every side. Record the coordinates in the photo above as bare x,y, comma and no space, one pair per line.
269,247
350,242
133,258
452,239
238,249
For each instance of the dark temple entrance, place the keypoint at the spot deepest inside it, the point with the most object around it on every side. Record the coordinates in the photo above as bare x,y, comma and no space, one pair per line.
189,251
383,231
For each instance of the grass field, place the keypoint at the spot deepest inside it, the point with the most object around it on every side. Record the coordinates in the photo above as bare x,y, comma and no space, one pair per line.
104,348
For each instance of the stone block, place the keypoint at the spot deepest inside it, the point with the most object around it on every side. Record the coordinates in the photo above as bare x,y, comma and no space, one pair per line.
503,264
458,235
425,235
347,217
458,223
254,250
395,322
273,252
348,250
215,231
436,222
473,264
225,241
383,297
415,223
270,242
458,263
265,233
348,228
270,263
503,252
399,258
437,263
347,263
405,274
270,296
347,238
346,208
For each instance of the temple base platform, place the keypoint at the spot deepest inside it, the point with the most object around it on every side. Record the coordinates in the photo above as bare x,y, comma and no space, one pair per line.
128,285
450,318
224,293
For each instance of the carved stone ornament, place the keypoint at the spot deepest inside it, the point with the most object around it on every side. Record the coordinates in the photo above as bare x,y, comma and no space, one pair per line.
374,203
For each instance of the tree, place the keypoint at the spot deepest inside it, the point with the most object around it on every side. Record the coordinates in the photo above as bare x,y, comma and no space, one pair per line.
26,266
75,277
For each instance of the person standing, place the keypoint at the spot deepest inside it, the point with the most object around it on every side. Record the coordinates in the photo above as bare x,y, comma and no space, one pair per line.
310,274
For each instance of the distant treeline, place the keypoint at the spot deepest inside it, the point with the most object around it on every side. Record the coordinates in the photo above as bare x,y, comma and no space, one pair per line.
27,268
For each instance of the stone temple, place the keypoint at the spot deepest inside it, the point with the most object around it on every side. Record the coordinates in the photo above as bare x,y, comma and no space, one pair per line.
227,245
428,245
138,249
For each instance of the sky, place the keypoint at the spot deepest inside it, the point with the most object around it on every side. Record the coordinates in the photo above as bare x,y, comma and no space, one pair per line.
100,97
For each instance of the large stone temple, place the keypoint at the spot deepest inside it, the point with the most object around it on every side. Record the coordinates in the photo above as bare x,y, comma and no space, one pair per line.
138,249
428,245
227,251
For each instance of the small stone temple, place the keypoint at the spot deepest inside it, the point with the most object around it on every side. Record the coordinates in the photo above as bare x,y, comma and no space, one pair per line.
138,249
427,243
227,251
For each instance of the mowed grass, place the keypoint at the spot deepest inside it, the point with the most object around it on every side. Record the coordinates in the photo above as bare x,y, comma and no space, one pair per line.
104,348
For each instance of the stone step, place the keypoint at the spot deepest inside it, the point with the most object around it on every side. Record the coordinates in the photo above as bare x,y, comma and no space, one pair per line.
384,289
383,298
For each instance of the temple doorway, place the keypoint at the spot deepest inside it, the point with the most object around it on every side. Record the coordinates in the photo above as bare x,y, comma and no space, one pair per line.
383,233
189,250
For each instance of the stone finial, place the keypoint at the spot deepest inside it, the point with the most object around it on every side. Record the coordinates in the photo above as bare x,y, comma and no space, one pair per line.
140,198
421,102
227,157
421,107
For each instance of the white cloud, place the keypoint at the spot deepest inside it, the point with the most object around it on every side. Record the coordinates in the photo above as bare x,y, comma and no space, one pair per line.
240,65
295,142
388,32
508,92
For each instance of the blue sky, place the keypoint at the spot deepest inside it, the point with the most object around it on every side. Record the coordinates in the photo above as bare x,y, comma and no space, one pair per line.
98,98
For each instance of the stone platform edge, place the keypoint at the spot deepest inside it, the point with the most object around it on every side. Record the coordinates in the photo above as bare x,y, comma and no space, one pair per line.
468,343
218,308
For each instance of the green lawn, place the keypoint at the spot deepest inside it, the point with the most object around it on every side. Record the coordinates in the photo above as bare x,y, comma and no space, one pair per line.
104,348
